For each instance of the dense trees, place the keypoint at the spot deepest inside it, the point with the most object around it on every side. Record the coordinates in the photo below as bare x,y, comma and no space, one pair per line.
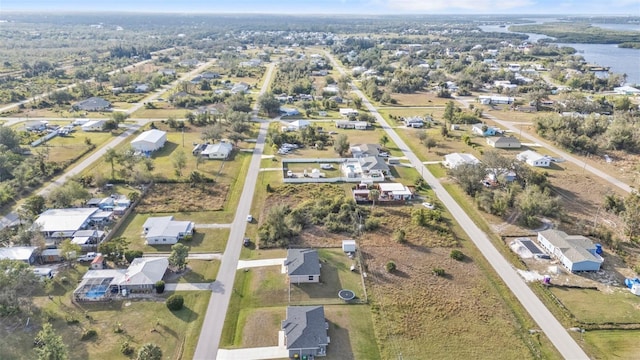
269,104
178,256
49,345
17,282
341,144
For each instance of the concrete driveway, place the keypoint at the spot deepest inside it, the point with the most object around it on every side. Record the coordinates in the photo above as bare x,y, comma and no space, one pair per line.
187,287
244,264
257,353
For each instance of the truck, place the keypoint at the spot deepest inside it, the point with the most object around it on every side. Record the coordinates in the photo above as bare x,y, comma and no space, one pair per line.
88,257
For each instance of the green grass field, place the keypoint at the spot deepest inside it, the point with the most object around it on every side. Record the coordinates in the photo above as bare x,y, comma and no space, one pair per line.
597,307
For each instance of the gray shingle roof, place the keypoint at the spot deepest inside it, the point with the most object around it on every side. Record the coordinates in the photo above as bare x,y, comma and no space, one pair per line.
305,327
302,262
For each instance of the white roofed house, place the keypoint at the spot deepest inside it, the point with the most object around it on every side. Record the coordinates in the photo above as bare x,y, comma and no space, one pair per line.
94,125
166,231
149,141
394,192
221,150
63,223
504,142
19,253
534,159
575,252
451,161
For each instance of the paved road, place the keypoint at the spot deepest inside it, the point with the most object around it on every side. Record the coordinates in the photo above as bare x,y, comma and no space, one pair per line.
517,129
209,340
557,334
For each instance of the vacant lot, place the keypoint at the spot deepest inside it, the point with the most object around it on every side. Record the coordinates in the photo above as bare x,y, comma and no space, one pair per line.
141,321
164,198
597,307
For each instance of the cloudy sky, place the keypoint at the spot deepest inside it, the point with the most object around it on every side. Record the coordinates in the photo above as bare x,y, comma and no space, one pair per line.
596,7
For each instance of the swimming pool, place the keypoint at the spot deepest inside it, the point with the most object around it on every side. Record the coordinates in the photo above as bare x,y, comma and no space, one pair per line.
96,292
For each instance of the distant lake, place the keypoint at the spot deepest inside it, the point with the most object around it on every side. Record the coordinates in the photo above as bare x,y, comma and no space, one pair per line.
619,60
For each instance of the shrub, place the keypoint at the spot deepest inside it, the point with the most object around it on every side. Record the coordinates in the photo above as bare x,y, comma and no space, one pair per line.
118,328
390,266
400,236
72,320
269,189
457,255
88,335
126,348
438,271
175,302
132,254
159,286
371,224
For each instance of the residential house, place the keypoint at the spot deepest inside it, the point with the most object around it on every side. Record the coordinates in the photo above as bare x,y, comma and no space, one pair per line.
284,111
626,90
364,150
346,124
394,192
371,164
331,89
189,63
575,252
26,254
36,125
88,239
149,141
240,87
484,130
220,150
63,223
305,332
299,124
414,122
141,88
504,142
348,112
97,263
496,100
303,266
92,104
210,75
94,125
534,159
166,231
452,161
168,72
141,276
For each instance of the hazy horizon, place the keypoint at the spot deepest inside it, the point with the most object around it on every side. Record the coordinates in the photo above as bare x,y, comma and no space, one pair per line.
346,7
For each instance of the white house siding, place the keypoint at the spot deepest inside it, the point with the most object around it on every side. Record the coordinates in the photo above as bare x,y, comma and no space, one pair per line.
585,265
298,279
162,240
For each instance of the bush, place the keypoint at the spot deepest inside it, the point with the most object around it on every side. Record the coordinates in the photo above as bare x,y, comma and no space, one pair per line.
175,302
126,348
371,224
400,236
390,266
118,328
159,286
88,335
132,254
457,255
438,271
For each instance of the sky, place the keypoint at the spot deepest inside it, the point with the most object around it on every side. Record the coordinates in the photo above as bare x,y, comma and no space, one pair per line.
364,7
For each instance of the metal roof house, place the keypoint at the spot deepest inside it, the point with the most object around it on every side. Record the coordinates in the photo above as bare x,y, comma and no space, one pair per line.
305,331
452,161
166,231
93,125
575,252
63,223
504,142
20,253
92,104
221,150
303,266
534,159
150,141
364,150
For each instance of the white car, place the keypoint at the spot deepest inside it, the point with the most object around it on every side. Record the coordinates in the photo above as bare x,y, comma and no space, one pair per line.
428,205
326,166
249,218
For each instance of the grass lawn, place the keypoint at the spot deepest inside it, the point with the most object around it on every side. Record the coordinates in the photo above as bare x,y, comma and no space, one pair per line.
613,344
592,306
420,98
175,332
201,271
204,240
163,111
335,275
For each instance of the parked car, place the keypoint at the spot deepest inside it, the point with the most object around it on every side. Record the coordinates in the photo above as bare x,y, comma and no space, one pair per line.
246,242
383,154
428,205
326,166
249,218
88,257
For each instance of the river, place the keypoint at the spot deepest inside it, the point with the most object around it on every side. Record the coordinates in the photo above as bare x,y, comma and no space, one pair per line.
619,60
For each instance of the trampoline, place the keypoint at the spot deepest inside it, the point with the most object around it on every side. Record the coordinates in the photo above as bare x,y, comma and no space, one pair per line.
346,295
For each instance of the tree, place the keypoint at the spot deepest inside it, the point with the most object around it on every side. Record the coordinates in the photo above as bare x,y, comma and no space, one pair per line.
178,257
631,215
149,351
119,116
130,255
390,266
469,176
384,140
49,345
269,104
374,194
341,144
400,236
429,143
64,196
34,205
114,249
17,282
457,255
357,102
68,250
179,160
449,113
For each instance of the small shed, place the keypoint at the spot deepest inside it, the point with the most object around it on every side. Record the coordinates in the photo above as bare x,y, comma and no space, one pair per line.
349,246
98,262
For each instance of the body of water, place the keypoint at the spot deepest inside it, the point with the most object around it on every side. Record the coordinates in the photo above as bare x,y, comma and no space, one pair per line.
619,60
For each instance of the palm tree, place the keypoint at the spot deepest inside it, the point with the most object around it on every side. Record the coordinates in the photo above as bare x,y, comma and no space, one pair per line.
150,351
374,194
111,156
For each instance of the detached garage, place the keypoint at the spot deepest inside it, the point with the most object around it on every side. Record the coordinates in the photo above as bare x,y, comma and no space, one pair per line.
150,141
